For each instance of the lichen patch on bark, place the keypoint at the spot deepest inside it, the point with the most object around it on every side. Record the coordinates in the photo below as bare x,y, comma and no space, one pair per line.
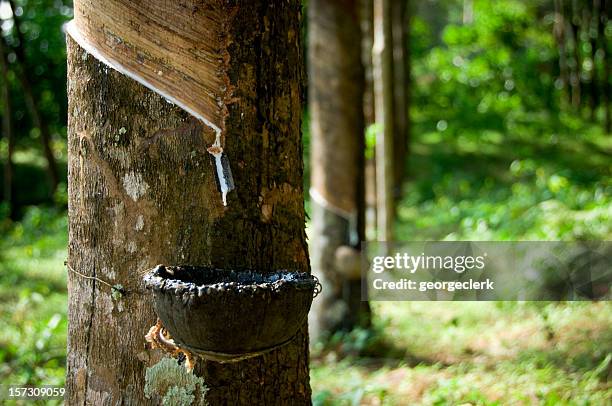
173,385
134,185
139,223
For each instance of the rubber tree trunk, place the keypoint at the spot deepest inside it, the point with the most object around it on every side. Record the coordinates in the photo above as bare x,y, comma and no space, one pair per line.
384,102
336,86
142,191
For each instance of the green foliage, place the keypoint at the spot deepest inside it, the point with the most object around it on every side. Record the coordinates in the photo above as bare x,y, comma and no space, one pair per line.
33,298
493,74
45,51
509,188
495,154
43,46
370,139
357,342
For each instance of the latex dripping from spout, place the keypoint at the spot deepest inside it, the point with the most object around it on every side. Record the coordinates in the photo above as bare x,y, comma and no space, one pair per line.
225,180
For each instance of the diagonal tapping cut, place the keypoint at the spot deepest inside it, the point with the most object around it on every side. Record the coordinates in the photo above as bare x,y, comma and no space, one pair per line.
176,49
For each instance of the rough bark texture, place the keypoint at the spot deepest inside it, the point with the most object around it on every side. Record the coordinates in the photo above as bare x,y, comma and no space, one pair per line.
142,191
336,85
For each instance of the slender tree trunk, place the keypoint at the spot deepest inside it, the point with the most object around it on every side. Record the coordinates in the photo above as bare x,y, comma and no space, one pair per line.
7,129
142,191
367,41
576,66
408,12
604,47
41,124
559,31
401,86
336,86
28,93
383,89
592,31
468,11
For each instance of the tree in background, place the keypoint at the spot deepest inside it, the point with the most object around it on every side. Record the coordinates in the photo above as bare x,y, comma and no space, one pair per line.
336,89
341,96
367,41
400,31
142,191
35,51
389,31
584,54
382,62
24,72
7,130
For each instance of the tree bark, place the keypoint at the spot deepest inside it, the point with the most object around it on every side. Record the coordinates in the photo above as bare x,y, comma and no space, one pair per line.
35,114
336,86
142,191
383,89
7,129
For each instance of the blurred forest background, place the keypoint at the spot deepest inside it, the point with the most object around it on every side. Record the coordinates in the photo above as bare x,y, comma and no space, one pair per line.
508,138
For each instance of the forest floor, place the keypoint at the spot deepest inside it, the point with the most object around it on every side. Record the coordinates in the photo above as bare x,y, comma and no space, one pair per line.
480,353
476,353
487,353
